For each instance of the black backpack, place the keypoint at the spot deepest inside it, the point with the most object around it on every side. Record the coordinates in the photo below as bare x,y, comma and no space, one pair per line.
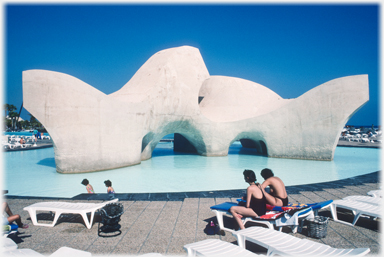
211,229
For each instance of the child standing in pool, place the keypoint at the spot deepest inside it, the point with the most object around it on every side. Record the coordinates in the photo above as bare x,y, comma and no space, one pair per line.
110,189
88,186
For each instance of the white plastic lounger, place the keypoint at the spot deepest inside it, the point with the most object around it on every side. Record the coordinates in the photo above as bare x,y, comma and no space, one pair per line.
17,144
10,248
216,247
279,243
67,251
8,244
63,251
22,252
301,214
8,145
65,207
364,199
358,208
293,222
375,193
223,208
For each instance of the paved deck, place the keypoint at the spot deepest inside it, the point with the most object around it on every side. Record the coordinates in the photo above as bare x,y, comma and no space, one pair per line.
164,223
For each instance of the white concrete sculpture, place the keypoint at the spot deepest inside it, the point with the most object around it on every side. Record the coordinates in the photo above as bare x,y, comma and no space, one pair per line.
174,93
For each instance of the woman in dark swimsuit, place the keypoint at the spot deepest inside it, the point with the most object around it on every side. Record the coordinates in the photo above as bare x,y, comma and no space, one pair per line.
256,202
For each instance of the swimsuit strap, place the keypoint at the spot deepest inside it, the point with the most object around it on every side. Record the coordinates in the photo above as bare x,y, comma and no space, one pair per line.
258,185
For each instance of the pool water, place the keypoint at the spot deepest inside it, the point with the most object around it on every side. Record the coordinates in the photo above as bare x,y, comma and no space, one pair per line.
33,172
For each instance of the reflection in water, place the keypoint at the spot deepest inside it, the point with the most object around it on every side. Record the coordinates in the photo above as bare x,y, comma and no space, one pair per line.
50,162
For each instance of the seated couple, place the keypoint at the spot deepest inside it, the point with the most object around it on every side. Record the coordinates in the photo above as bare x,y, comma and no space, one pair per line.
257,198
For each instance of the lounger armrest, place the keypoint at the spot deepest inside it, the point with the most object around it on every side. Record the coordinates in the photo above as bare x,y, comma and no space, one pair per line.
112,201
216,247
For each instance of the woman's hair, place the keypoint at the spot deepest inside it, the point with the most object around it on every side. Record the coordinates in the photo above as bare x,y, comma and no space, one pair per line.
108,183
85,182
249,176
266,173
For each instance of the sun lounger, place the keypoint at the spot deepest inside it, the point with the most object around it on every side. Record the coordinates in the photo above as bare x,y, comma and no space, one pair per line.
151,255
364,199
45,137
275,216
65,207
269,219
9,229
279,243
67,251
22,252
17,144
216,247
10,248
8,244
7,145
285,220
375,193
358,208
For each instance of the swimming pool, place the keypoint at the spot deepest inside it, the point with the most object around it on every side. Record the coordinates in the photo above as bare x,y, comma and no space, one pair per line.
33,173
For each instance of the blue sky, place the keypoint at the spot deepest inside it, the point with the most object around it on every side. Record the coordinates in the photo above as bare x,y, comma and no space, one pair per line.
288,48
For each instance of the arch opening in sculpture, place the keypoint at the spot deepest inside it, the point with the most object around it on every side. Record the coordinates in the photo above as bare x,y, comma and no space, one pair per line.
264,149
183,145
258,145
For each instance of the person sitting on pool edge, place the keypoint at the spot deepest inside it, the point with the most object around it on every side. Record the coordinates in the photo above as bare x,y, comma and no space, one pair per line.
277,195
255,200
110,189
88,186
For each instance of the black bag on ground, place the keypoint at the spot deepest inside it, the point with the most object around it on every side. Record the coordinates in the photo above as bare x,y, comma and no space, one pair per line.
211,229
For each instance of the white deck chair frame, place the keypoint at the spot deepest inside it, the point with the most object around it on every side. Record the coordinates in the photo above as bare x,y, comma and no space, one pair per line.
64,207
364,199
269,223
216,247
11,146
375,193
358,208
278,243
10,248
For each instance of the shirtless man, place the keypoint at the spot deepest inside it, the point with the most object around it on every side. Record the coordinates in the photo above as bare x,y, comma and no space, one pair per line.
278,195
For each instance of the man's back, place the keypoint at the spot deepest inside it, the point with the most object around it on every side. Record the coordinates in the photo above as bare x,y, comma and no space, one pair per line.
277,190
278,186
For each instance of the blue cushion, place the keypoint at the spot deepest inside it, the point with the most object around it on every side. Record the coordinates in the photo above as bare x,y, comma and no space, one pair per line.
223,206
321,204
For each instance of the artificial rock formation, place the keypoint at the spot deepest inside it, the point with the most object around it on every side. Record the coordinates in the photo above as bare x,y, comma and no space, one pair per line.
174,93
